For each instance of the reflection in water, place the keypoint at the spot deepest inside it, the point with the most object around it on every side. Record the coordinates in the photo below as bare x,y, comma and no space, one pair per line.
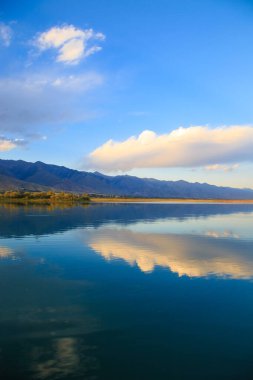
39,221
62,359
224,234
63,362
194,256
68,315
6,253
43,321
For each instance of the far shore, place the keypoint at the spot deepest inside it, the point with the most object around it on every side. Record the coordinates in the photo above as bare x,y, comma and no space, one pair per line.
168,200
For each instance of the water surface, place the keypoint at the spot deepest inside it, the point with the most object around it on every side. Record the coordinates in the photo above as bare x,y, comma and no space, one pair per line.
127,291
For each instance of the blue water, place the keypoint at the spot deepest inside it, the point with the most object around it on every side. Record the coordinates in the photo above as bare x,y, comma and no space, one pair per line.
127,291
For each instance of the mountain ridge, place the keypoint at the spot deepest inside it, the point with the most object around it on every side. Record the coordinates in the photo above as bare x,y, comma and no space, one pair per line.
19,174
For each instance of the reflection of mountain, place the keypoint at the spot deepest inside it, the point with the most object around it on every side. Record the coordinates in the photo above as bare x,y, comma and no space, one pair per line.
22,221
194,256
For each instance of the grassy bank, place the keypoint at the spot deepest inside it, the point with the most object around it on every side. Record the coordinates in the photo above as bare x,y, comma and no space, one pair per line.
51,197
42,198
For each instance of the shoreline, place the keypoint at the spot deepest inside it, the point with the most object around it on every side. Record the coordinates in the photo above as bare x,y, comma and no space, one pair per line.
169,200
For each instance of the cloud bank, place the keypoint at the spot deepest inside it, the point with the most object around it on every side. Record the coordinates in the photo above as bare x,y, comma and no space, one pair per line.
183,147
31,101
5,34
72,44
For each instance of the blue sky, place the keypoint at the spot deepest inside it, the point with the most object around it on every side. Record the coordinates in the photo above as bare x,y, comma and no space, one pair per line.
75,74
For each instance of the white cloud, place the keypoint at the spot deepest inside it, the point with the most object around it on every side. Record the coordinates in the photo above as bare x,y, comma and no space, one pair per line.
72,44
183,147
225,168
76,83
9,144
29,102
5,34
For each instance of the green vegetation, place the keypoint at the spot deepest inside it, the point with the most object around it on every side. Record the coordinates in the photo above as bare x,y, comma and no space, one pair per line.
42,197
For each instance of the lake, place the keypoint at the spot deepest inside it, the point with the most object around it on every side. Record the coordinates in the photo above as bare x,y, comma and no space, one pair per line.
127,291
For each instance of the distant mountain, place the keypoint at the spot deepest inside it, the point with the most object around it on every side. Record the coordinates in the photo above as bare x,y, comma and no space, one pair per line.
40,176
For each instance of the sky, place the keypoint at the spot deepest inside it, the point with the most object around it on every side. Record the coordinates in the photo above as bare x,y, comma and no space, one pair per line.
160,89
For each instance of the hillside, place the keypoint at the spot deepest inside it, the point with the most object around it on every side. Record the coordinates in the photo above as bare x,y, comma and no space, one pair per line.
40,176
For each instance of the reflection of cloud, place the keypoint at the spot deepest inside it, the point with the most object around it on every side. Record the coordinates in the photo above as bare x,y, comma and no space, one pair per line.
5,253
66,358
185,255
64,362
223,234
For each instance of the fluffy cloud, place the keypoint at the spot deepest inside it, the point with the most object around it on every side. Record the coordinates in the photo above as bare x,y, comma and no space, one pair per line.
225,168
183,147
9,144
5,34
72,44
28,102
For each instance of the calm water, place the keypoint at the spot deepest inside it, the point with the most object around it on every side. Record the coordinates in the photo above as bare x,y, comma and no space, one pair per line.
141,291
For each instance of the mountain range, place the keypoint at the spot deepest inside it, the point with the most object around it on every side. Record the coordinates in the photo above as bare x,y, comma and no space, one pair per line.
17,175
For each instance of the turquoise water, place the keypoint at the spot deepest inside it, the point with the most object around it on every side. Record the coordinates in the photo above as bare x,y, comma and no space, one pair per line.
139,291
